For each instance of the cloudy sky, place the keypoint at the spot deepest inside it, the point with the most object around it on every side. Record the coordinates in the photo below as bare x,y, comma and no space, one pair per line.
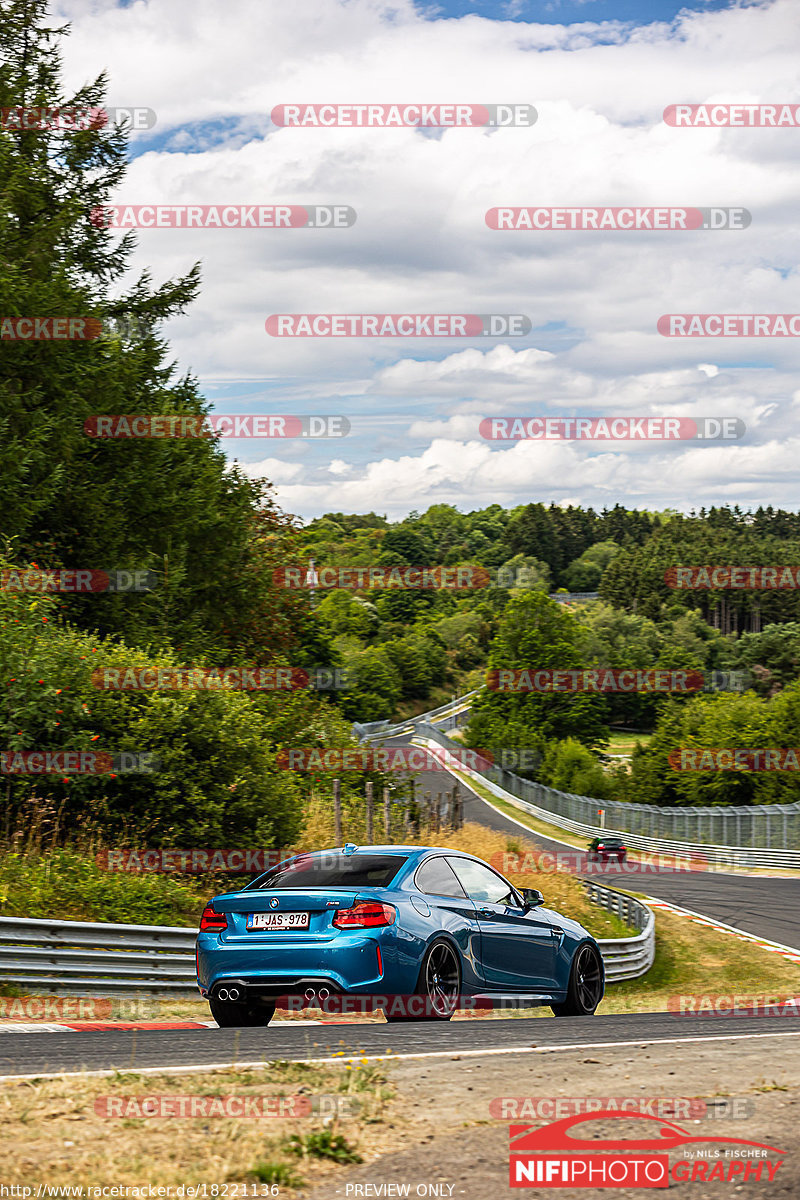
599,74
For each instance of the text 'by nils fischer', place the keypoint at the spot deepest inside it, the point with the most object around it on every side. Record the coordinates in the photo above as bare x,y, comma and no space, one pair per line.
228,425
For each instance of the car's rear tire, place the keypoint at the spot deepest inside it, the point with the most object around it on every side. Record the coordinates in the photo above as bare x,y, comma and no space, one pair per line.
439,983
229,1015
585,988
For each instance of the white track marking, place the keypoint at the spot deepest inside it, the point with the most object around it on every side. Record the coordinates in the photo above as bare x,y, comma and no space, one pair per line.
790,952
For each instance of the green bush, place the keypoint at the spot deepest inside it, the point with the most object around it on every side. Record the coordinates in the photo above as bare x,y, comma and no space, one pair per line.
72,887
217,781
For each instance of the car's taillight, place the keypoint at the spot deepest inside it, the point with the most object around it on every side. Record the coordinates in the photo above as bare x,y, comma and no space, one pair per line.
212,919
366,914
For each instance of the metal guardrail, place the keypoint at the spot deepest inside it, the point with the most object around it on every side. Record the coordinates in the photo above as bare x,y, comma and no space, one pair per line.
761,835
92,958
382,729
629,957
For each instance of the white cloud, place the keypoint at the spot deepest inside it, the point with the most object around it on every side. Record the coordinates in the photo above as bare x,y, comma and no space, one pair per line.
421,244
273,468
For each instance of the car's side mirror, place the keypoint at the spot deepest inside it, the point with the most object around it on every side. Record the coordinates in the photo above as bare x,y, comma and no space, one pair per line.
531,898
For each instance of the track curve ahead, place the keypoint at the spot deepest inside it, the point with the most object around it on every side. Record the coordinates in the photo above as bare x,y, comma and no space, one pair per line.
766,906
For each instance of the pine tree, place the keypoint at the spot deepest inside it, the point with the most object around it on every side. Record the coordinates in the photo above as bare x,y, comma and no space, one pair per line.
173,506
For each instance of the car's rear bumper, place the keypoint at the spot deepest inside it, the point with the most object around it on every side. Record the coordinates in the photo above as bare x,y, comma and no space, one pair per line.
256,990
361,963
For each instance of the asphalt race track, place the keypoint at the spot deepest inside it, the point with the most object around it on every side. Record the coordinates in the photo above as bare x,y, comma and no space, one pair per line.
766,906
41,1054
763,905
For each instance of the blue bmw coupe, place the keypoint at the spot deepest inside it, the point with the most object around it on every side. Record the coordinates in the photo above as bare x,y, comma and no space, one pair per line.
391,921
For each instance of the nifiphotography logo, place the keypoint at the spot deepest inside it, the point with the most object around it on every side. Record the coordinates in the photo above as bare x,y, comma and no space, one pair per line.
551,1156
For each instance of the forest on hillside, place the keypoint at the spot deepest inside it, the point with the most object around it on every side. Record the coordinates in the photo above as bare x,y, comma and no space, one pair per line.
213,543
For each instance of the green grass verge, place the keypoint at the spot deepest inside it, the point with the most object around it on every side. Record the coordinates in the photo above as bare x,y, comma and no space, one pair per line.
693,960
72,887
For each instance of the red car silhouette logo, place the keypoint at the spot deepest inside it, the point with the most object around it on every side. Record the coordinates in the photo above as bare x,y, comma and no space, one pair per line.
527,1139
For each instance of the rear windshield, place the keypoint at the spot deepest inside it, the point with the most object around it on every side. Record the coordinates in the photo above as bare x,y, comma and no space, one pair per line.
339,870
611,843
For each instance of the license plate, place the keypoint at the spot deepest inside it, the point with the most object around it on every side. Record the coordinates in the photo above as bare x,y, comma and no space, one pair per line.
287,920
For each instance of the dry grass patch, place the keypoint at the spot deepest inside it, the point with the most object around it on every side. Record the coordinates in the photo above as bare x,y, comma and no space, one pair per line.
53,1132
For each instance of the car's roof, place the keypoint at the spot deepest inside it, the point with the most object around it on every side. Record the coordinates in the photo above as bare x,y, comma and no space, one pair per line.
415,853
392,849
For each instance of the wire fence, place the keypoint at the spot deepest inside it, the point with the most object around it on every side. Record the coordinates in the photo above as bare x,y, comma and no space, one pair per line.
771,829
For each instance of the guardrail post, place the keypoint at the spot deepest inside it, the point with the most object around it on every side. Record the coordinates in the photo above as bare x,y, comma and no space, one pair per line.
626,957
387,816
369,811
337,812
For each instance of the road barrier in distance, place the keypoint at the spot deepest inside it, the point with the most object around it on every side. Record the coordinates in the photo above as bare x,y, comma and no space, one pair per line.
87,958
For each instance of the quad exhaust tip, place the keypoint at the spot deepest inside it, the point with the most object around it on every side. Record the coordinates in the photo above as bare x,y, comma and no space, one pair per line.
235,993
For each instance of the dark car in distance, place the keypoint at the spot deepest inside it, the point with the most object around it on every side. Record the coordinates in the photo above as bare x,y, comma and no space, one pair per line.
607,849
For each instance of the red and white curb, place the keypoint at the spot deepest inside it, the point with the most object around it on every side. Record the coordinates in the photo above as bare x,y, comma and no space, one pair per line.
788,952
122,1026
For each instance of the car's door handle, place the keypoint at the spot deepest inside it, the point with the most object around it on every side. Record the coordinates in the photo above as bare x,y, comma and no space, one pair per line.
557,930
484,912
